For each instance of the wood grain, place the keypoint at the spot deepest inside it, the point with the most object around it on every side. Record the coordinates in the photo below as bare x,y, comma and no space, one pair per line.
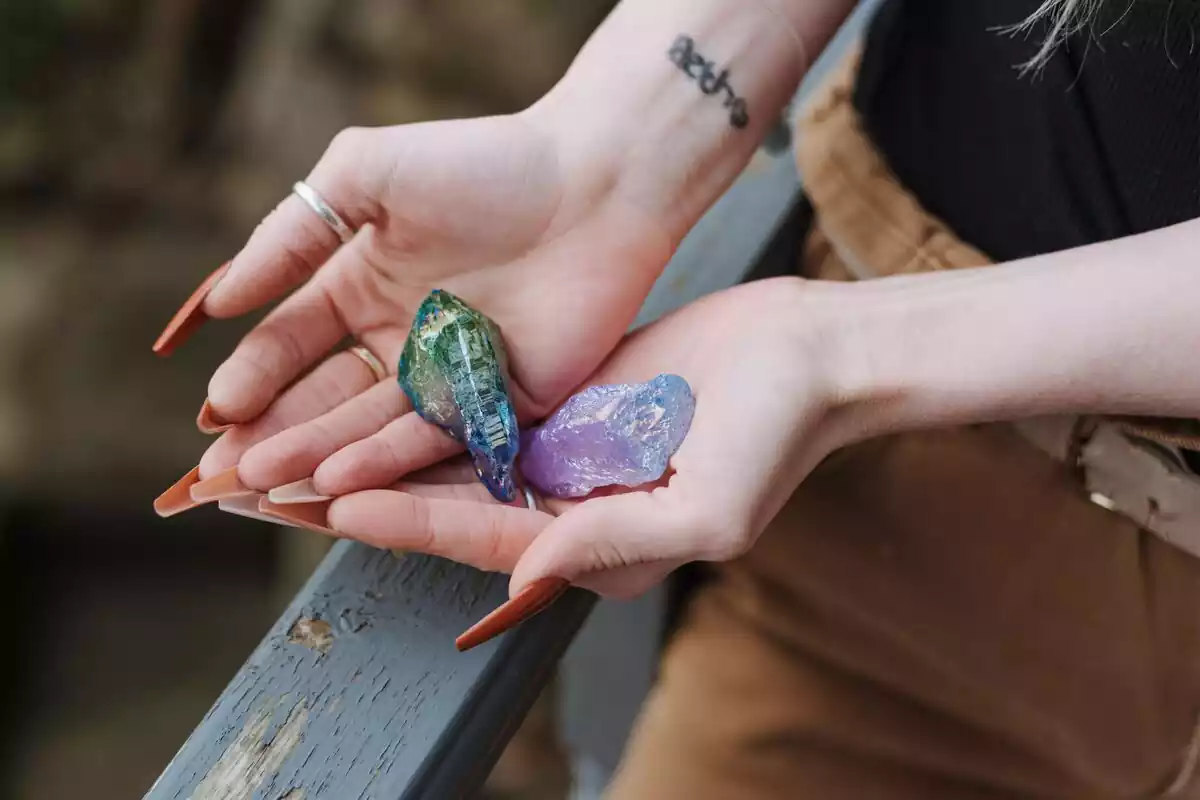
358,692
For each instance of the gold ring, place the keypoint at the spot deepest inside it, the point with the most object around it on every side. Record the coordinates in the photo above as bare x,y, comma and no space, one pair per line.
371,360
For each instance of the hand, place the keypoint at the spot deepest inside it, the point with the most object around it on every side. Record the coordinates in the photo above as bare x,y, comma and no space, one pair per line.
555,222
760,362
482,208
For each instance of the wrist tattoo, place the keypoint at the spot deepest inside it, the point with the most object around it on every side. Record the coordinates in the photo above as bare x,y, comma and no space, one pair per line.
683,55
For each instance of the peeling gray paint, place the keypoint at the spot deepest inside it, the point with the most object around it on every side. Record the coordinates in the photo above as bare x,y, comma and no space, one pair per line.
252,757
358,693
315,634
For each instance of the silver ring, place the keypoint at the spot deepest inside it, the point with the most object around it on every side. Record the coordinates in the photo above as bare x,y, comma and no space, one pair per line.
530,498
371,360
323,210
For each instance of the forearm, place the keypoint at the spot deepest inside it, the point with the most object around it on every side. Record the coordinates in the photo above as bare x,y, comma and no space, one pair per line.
1111,328
668,100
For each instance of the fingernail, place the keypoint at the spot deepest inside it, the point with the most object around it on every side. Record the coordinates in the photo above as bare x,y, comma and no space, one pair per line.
313,516
301,491
221,486
178,498
533,598
208,421
189,317
247,506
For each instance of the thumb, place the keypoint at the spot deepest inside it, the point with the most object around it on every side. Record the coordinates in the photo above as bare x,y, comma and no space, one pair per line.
619,545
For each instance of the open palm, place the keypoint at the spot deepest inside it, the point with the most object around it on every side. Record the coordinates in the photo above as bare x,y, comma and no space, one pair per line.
483,208
765,401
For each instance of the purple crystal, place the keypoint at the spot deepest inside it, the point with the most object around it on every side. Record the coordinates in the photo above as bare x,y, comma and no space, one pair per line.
621,434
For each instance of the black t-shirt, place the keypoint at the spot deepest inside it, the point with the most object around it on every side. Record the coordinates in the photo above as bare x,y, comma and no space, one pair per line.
1104,142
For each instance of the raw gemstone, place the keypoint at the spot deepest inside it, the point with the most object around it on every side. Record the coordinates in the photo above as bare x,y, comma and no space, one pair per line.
616,435
454,369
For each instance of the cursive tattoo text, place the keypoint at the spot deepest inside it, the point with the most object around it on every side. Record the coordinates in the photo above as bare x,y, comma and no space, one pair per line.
683,55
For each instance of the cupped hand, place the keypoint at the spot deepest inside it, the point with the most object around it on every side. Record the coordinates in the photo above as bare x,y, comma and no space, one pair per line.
483,208
769,407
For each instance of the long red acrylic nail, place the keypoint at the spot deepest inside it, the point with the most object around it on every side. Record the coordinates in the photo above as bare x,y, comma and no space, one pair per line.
189,317
221,486
533,598
313,516
247,506
208,421
178,498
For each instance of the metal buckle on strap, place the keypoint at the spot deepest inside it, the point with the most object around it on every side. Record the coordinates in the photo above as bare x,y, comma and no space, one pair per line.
1143,480
876,226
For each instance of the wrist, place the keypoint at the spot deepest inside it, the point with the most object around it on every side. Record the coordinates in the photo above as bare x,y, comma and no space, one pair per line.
824,331
667,102
1100,329
892,350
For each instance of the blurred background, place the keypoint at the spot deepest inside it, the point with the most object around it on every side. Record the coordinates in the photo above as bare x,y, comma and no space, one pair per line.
140,143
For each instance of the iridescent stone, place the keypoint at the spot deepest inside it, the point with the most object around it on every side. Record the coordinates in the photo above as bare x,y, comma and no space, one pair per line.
454,369
616,435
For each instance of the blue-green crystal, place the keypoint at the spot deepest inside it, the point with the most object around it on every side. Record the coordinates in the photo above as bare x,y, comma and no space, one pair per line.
454,369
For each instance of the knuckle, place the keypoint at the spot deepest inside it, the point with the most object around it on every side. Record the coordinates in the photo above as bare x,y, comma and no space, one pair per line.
608,555
392,449
299,262
360,463
313,442
347,142
342,472
382,407
326,390
493,545
284,352
254,365
426,539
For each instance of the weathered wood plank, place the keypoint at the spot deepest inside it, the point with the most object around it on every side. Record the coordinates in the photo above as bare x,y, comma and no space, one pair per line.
358,691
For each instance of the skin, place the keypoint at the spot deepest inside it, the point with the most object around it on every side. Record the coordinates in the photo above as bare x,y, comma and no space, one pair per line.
555,222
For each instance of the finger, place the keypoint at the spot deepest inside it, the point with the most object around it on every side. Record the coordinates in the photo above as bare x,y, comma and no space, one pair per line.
288,341
332,383
460,471
630,582
537,596
489,537
640,535
463,492
459,483
713,504
296,450
293,241
401,447
454,472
